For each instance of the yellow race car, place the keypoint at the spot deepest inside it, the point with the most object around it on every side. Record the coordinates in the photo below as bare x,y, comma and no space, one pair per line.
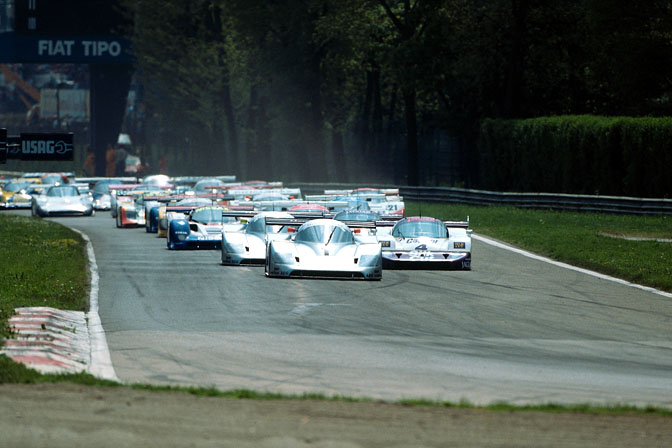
14,195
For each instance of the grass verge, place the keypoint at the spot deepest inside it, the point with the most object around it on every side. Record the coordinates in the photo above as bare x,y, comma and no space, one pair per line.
24,375
579,239
42,264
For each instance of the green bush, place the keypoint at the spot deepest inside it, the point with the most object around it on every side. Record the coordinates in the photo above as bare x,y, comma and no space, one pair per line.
578,154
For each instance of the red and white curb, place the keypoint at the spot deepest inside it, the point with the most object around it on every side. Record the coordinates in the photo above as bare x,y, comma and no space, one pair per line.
49,340
56,341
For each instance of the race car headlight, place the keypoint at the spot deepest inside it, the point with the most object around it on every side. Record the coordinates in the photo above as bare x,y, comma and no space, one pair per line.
385,243
459,245
368,260
285,258
235,248
181,235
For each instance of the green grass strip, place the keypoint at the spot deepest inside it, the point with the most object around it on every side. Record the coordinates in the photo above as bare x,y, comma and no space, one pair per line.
42,264
579,239
14,373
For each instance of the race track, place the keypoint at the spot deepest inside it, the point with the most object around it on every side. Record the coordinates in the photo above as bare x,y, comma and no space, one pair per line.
512,329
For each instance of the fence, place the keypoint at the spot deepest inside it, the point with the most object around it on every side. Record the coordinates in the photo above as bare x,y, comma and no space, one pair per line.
569,202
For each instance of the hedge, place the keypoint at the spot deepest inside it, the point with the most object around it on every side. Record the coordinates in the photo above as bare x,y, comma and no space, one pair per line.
579,154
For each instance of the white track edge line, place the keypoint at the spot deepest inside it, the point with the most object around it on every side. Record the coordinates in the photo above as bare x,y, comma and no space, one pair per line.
101,362
569,266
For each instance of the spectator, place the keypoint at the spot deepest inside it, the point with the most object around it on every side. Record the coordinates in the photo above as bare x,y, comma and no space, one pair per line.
89,167
110,162
163,164
120,160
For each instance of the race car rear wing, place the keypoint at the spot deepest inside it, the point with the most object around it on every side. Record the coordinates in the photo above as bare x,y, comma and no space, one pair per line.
179,197
193,179
242,193
181,208
93,180
298,221
363,191
123,187
368,197
188,208
304,216
457,224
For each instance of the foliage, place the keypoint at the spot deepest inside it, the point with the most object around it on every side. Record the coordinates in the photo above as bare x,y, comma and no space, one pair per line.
327,89
578,154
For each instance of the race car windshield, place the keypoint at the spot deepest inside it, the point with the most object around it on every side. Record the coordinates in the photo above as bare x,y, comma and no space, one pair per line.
357,216
259,226
102,187
414,229
353,201
62,192
54,178
324,234
202,185
270,197
208,216
365,191
13,187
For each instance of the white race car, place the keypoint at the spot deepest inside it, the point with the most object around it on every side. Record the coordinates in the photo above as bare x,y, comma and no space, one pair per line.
323,248
247,246
427,243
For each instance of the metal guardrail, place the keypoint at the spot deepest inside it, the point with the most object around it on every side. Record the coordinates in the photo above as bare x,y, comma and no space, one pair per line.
546,201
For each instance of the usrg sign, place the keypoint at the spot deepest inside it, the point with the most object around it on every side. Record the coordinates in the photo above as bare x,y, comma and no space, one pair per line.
3,145
53,147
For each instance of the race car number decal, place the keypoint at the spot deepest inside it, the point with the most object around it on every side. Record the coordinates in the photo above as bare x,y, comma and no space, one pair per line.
419,255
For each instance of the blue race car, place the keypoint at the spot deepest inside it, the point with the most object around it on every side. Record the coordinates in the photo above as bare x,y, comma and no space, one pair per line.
201,228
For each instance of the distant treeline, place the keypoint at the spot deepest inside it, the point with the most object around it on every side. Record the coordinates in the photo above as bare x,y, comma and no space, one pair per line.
584,154
391,90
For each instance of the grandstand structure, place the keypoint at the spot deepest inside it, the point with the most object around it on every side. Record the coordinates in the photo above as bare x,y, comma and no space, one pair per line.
63,67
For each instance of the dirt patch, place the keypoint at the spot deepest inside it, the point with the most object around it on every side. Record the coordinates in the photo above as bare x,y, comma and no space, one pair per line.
64,415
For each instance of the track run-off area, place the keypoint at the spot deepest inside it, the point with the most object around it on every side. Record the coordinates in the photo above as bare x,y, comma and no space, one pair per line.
514,328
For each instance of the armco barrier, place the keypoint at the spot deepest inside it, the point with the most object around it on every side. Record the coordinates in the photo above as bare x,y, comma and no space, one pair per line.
547,201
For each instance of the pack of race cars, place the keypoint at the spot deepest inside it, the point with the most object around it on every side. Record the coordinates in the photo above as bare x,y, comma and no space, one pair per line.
343,234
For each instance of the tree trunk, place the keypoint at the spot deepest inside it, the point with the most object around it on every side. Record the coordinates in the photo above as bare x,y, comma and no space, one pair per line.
339,154
251,137
231,130
412,168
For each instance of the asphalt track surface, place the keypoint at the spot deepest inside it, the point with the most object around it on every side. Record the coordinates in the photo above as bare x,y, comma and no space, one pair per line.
513,329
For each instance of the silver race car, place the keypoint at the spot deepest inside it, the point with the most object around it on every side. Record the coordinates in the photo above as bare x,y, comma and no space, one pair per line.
427,243
248,245
322,248
62,200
